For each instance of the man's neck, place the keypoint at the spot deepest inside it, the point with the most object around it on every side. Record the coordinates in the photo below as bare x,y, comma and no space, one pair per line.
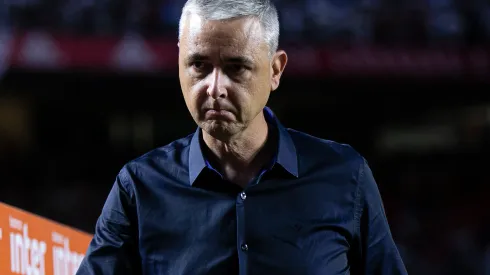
241,158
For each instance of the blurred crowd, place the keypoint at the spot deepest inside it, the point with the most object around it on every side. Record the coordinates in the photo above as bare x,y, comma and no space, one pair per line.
403,22
439,218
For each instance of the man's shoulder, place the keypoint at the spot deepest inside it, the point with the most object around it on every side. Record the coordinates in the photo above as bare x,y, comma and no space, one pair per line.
170,155
324,150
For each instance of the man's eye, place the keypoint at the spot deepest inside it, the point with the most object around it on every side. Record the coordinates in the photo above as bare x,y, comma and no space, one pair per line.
201,68
235,68
198,65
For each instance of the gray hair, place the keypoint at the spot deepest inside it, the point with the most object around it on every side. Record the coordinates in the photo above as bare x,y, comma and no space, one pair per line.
263,10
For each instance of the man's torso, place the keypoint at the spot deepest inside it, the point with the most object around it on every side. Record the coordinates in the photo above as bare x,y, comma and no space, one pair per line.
281,224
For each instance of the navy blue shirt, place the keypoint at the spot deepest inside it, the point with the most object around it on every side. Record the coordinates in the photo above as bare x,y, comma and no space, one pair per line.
315,209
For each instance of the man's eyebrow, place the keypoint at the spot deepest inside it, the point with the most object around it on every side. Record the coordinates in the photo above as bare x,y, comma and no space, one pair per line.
238,60
196,57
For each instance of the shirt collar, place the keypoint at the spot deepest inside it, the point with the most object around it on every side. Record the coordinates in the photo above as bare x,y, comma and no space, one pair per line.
286,154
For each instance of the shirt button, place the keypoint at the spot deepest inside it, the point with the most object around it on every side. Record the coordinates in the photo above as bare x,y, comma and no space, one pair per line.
243,195
244,247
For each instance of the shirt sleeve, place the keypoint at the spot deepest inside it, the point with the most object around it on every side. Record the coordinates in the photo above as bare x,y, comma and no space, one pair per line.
113,249
379,254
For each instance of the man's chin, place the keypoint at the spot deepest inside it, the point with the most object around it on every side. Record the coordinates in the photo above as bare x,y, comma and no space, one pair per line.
219,130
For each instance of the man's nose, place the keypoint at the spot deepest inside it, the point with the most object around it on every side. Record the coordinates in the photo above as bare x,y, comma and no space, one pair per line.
217,84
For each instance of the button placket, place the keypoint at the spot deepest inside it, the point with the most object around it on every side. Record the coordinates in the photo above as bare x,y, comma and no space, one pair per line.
242,245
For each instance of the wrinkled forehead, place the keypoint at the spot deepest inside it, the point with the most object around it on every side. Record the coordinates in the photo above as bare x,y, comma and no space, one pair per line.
232,36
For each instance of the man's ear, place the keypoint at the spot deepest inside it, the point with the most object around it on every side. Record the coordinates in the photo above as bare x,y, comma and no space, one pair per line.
279,61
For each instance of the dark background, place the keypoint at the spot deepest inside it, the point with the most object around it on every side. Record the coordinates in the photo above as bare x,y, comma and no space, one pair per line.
66,131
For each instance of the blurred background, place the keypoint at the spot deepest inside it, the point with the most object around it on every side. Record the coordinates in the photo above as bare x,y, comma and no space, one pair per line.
88,85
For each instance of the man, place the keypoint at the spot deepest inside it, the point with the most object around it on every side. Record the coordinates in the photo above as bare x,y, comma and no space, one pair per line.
242,195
